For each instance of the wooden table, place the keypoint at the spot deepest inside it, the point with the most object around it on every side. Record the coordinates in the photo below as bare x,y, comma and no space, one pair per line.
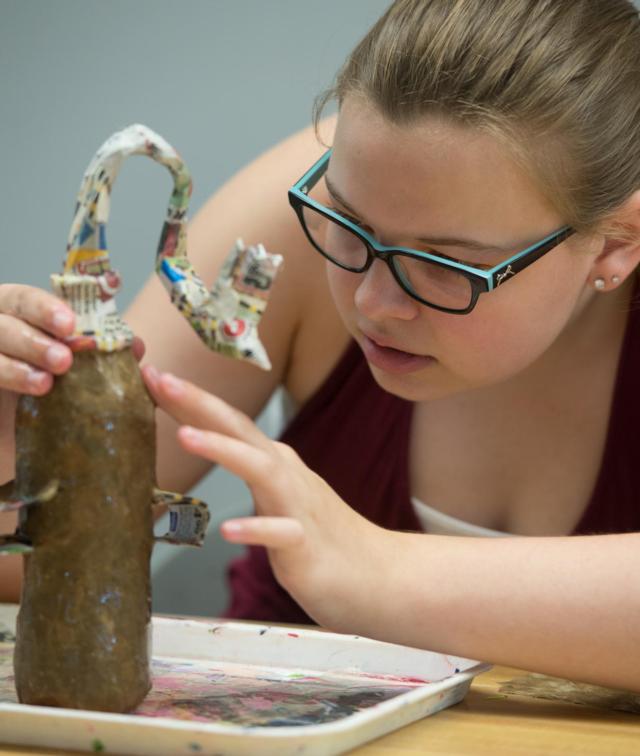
489,721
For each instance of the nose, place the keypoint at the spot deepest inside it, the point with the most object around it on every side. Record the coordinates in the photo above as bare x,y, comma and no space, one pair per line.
379,296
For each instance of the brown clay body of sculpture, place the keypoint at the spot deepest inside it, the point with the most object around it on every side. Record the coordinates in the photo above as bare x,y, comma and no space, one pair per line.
85,453
82,634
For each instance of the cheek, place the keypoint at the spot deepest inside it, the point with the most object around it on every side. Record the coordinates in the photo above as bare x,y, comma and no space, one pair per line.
508,330
342,285
481,348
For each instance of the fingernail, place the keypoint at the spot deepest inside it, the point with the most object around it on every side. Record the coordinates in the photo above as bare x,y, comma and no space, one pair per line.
62,320
232,526
174,386
56,354
191,433
35,378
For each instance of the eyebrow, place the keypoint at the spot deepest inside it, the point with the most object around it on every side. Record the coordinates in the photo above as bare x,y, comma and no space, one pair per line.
444,241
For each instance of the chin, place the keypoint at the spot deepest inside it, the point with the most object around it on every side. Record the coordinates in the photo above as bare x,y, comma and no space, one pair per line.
416,387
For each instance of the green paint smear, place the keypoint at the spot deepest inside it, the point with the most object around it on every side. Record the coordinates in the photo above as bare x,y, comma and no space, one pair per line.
97,746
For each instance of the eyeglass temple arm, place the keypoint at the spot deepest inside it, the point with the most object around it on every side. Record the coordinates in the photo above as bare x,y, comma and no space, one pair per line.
527,257
313,175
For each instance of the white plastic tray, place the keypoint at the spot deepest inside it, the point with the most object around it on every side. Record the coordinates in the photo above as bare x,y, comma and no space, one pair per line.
244,688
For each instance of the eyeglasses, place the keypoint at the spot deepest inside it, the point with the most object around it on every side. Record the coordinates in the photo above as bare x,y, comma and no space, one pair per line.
439,282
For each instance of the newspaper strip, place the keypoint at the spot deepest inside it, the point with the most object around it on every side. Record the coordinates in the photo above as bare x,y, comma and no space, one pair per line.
188,518
225,318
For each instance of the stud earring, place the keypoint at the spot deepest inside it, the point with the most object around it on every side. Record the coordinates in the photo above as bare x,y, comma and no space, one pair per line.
599,284
615,280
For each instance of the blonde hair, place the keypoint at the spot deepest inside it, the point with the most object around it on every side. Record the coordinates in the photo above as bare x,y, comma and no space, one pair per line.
557,80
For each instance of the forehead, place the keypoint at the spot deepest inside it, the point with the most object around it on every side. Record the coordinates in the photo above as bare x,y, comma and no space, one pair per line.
434,173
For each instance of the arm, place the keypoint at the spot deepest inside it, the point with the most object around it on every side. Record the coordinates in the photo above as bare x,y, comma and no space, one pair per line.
10,566
563,606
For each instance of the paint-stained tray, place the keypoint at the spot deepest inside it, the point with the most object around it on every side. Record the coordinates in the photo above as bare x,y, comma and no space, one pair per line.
244,688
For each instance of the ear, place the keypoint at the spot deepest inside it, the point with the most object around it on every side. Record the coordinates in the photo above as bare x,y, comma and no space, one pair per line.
620,255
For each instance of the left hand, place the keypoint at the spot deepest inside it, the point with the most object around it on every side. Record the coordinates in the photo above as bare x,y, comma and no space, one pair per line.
321,551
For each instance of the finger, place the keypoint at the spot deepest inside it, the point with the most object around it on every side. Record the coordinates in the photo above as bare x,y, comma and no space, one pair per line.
138,348
22,342
261,469
22,378
37,307
194,406
253,464
272,532
151,377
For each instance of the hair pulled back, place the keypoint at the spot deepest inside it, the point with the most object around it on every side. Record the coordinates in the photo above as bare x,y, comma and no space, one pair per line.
557,80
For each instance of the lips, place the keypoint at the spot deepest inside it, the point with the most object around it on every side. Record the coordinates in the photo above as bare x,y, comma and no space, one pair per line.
384,343
391,359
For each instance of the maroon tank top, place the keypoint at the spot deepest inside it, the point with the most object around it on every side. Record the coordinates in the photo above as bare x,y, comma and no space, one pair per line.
356,436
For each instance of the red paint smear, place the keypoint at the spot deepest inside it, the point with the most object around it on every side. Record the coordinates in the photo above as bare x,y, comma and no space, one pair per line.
293,635
81,343
397,678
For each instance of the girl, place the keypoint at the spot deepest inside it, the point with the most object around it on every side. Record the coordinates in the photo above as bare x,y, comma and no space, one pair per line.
455,324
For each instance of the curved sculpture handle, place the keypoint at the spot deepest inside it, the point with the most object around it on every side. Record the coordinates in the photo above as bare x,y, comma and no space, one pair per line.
225,318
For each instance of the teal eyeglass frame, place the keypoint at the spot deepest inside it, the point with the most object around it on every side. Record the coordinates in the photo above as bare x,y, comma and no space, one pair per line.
481,281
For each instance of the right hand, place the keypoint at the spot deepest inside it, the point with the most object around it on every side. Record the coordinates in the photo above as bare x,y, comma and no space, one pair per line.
33,323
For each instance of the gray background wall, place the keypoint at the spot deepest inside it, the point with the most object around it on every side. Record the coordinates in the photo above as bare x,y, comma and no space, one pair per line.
222,80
